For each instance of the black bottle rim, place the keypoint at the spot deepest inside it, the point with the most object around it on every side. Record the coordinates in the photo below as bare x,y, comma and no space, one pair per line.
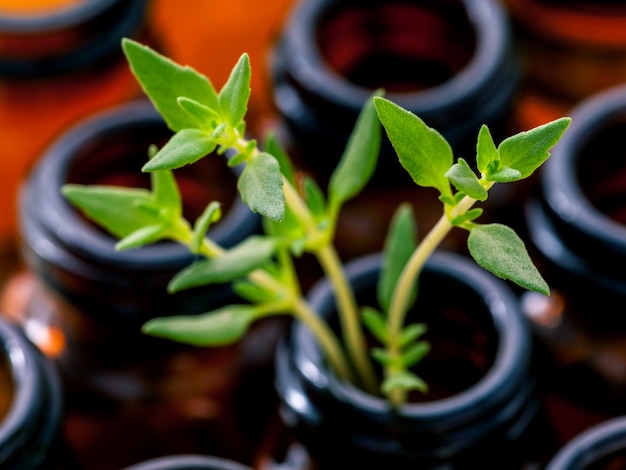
188,462
591,445
480,82
504,393
31,427
96,42
569,207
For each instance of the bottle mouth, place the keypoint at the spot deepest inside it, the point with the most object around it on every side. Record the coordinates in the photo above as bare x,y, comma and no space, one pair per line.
33,418
58,40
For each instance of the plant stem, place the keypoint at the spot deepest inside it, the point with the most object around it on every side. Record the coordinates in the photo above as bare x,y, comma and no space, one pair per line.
325,338
406,281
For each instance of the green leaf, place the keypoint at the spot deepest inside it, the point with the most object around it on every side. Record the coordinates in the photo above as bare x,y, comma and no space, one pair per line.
248,255
261,187
314,198
273,147
498,249
166,193
422,151
486,151
376,323
411,333
205,117
526,151
505,175
381,355
164,82
143,236
358,162
220,327
404,380
212,213
415,353
465,180
185,147
114,208
252,292
400,243
234,95
468,216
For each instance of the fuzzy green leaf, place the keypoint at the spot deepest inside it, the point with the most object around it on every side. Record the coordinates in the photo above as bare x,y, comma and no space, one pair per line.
185,147
250,254
166,193
505,175
261,187
381,355
116,209
400,243
220,327
412,332
375,323
358,162
205,117
526,151
486,151
212,213
234,95
465,180
252,292
404,380
314,198
498,249
468,216
423,152
164,82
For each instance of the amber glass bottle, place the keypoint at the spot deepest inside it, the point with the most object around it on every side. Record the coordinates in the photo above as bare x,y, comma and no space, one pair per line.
31,405
60,60
132,397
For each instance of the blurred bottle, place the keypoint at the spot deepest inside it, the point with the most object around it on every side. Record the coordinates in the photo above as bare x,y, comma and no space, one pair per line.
31,406
576,226
572,49
59,61
132,397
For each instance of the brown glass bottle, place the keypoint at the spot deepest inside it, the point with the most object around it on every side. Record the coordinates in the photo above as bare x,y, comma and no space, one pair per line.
132,397
59,62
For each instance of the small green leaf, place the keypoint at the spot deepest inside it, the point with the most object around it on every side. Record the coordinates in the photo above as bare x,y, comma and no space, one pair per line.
143,236
526,151
116,209
375,323
381,355
166,193
465,180
422,151
273,147
252,292
220,327
404,380
185,147
505,175
498,249
234,95
399,246
205,117
212,213
261,187
411,333
468,216
358,162
250,254
487,155
314,198
415,353
164,82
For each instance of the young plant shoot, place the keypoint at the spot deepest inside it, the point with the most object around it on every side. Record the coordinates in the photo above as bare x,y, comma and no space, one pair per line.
298,217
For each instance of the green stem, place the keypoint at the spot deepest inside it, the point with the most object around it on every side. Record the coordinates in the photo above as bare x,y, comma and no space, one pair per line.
406,281
349,317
